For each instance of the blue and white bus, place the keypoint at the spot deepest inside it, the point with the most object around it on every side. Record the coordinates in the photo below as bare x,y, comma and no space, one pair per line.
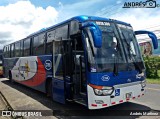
89,60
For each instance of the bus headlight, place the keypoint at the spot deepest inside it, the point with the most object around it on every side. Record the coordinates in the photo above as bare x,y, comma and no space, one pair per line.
103,92
98,92
143,83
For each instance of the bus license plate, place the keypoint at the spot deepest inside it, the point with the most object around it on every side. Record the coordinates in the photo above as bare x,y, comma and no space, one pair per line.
129,95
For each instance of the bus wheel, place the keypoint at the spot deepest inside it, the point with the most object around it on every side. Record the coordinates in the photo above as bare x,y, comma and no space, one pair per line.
49,89
10,77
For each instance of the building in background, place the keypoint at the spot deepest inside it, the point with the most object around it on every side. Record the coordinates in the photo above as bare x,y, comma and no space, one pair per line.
147,48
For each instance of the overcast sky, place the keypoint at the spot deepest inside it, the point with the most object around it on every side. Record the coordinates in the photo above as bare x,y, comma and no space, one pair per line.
19,18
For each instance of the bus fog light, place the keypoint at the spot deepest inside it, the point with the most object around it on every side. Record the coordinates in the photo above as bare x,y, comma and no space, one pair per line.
99,101
98,92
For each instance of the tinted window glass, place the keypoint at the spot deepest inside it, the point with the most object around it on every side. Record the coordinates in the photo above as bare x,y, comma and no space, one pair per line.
26,47
21,49
8,51
74,28
50,38
12,50
62,32
38,44
17,49
5,51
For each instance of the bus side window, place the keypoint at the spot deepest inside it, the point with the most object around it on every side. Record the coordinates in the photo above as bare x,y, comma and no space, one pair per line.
27,47
8,51
38,44
62,32
74,27
17,49
21,49
5,51
12,50
49,44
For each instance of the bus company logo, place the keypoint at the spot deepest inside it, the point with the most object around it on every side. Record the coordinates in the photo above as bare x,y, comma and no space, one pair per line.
48,64
105,78
141,4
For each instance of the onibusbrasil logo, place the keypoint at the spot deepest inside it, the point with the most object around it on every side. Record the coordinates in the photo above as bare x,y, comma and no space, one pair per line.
142,4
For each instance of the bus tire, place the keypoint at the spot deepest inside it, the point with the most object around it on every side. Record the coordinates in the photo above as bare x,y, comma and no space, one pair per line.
49,88
10,77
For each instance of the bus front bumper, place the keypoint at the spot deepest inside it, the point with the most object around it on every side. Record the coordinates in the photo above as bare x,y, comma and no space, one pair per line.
121,93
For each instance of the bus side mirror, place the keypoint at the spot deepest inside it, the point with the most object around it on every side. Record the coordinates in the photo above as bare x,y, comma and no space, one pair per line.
154,40
97,37
151,35
95,31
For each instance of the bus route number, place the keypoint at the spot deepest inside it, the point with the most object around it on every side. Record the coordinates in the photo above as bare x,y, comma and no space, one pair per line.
100,23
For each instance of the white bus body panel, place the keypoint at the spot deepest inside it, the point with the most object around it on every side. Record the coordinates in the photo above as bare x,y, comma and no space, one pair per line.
133,88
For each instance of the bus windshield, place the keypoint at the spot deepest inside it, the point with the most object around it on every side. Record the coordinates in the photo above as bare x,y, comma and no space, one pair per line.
114,52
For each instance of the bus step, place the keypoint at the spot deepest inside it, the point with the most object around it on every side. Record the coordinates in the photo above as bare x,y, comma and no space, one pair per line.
81,101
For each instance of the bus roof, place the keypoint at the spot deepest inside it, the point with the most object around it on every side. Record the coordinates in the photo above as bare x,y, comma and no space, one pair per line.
82,18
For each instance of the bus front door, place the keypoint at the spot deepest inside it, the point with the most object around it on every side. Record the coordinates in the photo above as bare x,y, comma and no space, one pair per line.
79,77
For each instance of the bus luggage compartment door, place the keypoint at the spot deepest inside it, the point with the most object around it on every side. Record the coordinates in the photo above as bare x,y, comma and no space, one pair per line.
58,90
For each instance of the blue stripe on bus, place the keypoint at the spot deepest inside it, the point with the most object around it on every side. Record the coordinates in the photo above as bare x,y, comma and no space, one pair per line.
111,80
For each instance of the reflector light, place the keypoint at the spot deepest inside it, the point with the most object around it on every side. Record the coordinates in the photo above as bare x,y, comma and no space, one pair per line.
94,105
104,105
127,99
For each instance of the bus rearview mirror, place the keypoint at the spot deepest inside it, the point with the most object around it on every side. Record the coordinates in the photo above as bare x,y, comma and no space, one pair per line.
154,40
97,37
96,33
151,35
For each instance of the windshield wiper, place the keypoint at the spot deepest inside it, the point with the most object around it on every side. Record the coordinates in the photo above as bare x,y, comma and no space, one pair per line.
137,67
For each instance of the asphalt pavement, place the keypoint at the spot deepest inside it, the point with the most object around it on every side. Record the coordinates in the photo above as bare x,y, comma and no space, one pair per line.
151,98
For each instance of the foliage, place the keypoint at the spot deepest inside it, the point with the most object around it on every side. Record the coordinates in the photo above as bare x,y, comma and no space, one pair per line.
152,64
153,81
